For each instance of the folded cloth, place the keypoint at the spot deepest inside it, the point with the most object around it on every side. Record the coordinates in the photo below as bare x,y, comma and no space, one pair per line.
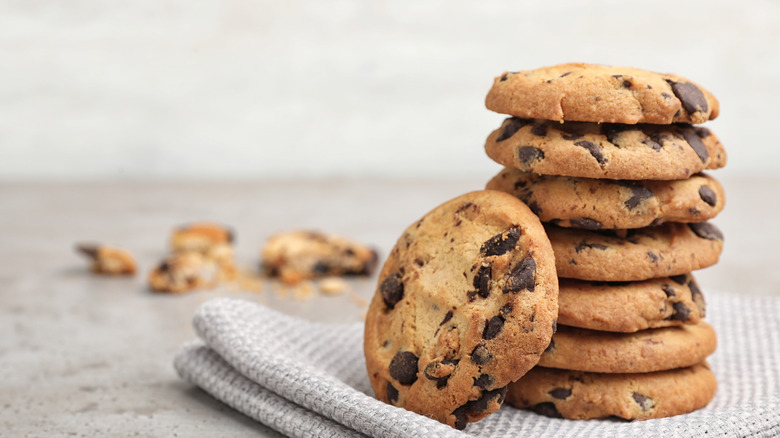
309,380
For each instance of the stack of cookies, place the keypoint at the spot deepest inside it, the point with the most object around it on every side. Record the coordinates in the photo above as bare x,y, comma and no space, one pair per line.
610,160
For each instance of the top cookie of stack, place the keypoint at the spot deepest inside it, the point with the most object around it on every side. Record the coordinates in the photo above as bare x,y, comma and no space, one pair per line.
637,123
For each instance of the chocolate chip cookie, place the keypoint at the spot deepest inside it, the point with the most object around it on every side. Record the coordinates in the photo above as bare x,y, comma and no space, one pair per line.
640,352
636,396
632,255
631,306
596,204
588,150
298,255
465,303
601,94
108,260
184,271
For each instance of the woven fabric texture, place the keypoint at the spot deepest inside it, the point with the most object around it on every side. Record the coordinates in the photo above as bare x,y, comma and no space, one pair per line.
309,380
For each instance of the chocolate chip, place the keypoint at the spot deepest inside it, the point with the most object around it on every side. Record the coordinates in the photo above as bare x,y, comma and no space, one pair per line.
690,96
527,155
511,126
560,393
550,346
440,372
644,402
484,381
697,297
611,131
626,84
679,279
392,393
482,280
501,243
539,130
320,268
504,77
706,230
403,367
695,142
702,132
708,195
480,355
447,317
681,312
478,406
165,267
656,146
639,194
586,223
582,245
506,310
594,149
666,95
570,137
669,291
90,251
392,289
565,74
535,208
653,256
493,327
547,409
522,277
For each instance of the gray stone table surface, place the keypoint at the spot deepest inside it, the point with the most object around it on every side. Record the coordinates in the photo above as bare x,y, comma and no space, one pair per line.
82,355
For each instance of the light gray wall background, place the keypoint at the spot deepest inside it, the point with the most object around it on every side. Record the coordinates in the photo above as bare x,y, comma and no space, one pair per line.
179,89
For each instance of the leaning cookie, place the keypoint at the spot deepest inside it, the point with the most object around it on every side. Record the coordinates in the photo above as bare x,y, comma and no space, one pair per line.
601,94
588,150
580,395
632,306
633,255
596,204
465,304
640,352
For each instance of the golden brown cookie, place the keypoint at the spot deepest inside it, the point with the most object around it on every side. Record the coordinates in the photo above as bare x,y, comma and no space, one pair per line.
579,395
640,352
184,271
630,306
213,241
596,204
465,304
633,255
601,94
108,260
298,255
589,150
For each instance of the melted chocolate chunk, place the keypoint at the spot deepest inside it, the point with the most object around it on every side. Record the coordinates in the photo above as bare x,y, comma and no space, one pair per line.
702,132
501,243
440,372
639,194
594,149
535,208
482,280
392,393
681,312
706,230
695,142
522,277
527,155
690,96
539,130
708,195
644,402
493,327
403,367
484,381
511,127
392,289
679,279
582,245
547,409
481,355
560,393
626,84
656,146
478,406
586,223
669,291
612,131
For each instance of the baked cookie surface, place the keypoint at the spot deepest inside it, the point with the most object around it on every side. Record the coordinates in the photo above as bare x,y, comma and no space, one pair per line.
606,151
108,260
640,352
184,271
601,94
466,303
633,255
632,306
297,255
607,204
632,396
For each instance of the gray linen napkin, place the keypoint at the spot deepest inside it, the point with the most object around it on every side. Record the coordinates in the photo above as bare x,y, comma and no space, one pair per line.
309,380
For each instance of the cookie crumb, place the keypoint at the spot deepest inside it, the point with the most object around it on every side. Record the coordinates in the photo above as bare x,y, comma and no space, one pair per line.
333,286
108,260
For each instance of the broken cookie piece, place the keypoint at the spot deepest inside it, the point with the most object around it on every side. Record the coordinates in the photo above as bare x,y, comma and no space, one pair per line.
297,255
211,240
108,260
183,272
